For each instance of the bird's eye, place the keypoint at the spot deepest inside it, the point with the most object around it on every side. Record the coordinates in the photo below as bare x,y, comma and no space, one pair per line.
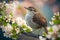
31,9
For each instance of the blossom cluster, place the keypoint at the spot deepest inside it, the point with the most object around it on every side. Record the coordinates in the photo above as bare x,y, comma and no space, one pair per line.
12,26
55,19
53,33
53,30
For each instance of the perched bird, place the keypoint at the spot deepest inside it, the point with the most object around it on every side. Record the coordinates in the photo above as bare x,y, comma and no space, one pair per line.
35,19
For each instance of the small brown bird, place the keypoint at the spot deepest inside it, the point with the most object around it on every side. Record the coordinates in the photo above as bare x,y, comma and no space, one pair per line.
35,19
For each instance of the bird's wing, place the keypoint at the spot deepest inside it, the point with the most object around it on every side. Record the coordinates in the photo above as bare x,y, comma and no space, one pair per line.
40,20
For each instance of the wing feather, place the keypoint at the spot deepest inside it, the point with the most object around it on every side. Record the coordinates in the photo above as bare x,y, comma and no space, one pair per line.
39,19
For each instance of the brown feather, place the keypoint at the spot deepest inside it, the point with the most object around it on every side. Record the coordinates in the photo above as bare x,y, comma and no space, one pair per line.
40,20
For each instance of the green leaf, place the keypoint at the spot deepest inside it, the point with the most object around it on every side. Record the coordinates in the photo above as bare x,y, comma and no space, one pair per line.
5,24
1,10
15,37
57,17
59,31
14,25
2,21
21,31
28,30
23,26
44,34
56,21
3,14
50,30
58,39
4,8
14,31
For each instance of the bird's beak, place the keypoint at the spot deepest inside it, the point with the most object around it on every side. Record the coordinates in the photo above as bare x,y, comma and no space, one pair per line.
25,8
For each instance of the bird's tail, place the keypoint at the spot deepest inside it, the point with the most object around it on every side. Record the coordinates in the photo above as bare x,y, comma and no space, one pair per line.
46,30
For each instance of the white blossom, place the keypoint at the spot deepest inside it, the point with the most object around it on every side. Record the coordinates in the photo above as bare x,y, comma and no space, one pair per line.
58,13
55,28
55,13
48,28
13,20
50,33
20,21
17,30
8,35
9,8
59,18
41,38
53,18
48,36
2,28
51,23
7,28
1,5
58,27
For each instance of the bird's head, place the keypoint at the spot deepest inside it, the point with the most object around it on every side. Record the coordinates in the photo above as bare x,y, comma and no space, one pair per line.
31,9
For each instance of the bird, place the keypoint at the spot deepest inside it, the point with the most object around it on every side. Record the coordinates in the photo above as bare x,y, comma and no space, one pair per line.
35,19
